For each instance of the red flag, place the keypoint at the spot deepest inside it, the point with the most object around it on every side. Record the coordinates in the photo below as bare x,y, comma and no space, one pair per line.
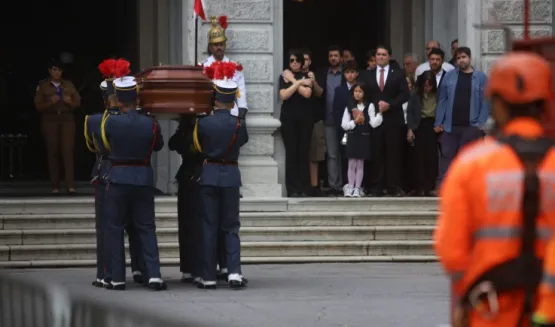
199,9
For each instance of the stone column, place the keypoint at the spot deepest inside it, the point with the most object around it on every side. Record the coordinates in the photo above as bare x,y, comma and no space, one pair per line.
487,45
159,43
251,42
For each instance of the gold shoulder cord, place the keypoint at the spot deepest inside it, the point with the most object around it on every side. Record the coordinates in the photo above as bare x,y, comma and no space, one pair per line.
88,140
103,131
196,144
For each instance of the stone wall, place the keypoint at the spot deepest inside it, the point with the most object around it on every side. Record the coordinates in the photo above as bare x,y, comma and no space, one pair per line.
511,12
254,40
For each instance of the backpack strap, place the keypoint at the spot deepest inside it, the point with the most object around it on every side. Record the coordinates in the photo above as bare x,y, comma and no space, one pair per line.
530,153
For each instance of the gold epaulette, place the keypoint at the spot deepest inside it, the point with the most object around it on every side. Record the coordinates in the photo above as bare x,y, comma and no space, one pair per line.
196,144
88,142
103,128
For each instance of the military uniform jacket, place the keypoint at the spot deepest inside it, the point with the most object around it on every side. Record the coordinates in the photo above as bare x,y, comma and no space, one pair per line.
93,133
60,111
238,78
191,161
215,133
131,138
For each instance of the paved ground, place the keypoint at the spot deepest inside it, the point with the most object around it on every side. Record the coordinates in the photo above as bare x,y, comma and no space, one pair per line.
342,295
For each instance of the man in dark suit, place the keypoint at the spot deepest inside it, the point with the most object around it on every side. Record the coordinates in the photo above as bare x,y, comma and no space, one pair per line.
387,89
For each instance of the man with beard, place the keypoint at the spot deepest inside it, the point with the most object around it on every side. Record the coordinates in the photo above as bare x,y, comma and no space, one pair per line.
435,59
329,80
462,109
216,47
426,65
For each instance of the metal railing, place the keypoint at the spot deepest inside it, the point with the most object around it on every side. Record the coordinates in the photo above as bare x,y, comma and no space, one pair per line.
26,302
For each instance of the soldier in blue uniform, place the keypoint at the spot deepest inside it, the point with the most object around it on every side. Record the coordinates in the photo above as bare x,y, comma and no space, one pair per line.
188,200
130,138
93,142
219,137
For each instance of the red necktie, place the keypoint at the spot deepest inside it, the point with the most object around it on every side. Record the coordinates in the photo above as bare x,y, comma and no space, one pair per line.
382,83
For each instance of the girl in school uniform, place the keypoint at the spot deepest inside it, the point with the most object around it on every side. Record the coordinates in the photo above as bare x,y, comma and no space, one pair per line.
357,124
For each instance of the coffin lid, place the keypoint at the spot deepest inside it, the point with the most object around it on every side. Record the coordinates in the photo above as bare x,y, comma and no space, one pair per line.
175,75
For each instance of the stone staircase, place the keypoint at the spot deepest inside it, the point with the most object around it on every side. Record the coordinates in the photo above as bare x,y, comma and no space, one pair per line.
59,231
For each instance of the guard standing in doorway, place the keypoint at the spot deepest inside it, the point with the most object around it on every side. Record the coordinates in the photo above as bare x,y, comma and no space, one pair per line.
219,137
94,143
188,199
130,138
56,100
216,47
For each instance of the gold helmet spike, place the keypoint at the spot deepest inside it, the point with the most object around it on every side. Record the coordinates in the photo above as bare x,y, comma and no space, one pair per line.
216,33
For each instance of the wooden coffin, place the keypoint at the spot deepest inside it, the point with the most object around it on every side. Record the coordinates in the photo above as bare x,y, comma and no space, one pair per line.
545,47
170,91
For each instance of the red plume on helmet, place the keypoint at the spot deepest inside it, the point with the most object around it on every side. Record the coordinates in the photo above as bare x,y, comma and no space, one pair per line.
121,68
223,22
220,70
107,68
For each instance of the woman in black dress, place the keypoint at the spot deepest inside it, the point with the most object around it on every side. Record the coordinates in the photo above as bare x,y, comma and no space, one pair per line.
357,125
296,126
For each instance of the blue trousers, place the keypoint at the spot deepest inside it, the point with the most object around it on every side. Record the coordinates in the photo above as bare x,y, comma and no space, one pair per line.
220,211
123,204
137,262
451,143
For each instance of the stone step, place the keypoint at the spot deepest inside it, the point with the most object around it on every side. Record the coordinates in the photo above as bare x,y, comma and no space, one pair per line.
65,252
244,260
362,204
39,188
248,234
248,219
164,204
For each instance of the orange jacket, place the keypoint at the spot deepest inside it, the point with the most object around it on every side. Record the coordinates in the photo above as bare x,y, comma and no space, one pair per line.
481,216
545,312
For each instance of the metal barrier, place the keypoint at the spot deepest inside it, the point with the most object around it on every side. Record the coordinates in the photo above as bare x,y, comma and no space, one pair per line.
29,303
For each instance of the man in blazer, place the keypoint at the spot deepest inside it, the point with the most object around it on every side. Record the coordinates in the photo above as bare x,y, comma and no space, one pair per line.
387,89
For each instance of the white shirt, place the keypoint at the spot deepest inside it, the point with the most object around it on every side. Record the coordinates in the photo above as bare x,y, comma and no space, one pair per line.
348,124
238,78
439,76
447,67
385,73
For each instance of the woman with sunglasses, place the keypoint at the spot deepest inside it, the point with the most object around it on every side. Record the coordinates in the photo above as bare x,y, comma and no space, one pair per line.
296,126
421,113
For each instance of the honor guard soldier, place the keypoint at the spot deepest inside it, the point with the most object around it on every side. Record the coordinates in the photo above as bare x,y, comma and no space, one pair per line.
497,206
216,47
94,143
130,138
219,137
188,201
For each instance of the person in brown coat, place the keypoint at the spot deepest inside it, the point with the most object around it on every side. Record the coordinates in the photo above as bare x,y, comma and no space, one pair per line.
56,99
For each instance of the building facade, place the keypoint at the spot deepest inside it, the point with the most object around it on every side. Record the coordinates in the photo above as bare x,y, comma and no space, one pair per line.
255,34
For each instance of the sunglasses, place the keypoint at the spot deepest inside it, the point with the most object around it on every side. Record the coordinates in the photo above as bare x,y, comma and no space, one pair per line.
292,60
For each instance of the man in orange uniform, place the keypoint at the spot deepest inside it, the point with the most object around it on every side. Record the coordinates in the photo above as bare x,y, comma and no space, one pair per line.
498,203
545,312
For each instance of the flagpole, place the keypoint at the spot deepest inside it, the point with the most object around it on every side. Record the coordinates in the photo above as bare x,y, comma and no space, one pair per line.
196,40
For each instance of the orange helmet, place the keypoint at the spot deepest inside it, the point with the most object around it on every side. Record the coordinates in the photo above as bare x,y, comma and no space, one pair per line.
520,77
